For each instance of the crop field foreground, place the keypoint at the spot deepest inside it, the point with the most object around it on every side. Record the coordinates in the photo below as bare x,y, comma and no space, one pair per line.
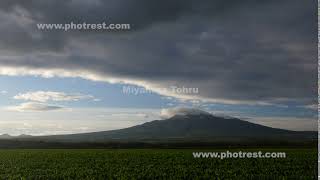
152,164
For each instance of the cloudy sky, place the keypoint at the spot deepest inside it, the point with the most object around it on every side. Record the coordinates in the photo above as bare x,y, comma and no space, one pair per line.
251,59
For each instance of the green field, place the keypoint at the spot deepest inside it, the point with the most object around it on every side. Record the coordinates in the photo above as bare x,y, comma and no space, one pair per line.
151,164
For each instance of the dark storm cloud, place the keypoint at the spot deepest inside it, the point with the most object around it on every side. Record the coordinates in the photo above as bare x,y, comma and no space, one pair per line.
140,14
231,50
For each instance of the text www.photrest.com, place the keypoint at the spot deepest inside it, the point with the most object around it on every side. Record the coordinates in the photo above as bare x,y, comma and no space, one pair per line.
239,154
84,26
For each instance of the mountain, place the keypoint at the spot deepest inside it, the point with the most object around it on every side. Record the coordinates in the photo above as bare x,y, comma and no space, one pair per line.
193,126
7,136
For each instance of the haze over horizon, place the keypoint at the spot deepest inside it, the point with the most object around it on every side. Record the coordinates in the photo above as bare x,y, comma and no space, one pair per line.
243,59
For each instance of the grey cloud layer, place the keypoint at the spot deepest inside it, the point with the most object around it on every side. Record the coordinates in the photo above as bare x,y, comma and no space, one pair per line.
234,51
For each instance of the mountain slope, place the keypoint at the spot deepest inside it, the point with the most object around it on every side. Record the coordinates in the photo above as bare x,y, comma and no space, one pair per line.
186,127
7,136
